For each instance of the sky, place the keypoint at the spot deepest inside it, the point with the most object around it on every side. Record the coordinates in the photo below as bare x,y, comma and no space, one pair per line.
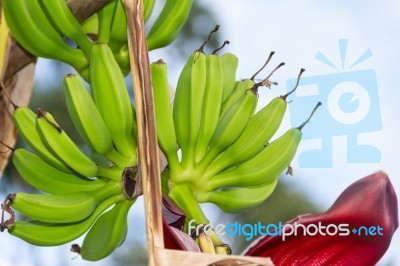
350,52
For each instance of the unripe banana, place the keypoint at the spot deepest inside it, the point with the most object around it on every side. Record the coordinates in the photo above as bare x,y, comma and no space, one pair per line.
48,234
31,28
66,208
65,148
148,8
25,120
85,116
41,175
118,31
238,199
197,88
107,233
181,109
211,104
111,97
231,124
105,16
229,66
169,23
163,112
240,88
261,127
88,121
66,24
266,166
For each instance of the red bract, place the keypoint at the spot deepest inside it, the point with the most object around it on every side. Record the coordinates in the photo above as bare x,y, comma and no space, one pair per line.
369,206
173,219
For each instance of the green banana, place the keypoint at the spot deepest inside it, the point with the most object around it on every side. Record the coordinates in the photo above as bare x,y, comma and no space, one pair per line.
41,175
112,99
49,234
260,128
107,233
264,167
25,121
231,124
68,208
181,108
229,66
105,16
85,116
243,85
240,88
31,28
65,23
169,23
148,8
118,30
88,121
60,143
238,199
196,95
163,113
211,104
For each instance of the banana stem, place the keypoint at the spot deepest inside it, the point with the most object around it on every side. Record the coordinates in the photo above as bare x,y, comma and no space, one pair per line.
183,196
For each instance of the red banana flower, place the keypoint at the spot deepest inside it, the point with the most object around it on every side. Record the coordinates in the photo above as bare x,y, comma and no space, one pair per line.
356,230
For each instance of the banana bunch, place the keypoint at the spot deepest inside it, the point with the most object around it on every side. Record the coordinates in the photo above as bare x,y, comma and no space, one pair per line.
219,150
78,187
47,28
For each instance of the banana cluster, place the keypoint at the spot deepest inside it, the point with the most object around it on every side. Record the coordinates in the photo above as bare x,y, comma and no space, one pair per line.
48,29
79,187
217,146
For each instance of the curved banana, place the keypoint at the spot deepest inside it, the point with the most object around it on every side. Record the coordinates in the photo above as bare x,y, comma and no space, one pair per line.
240,88
48,234
238,199
60,143
111,97
264,167
41,175
65,23
211,104
31,28
258,131
88,121
231,124
197,88
85,116
229,66
169,23
105,16
25,120
118,29
66,208
107,233
181,109
148,8
163,112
